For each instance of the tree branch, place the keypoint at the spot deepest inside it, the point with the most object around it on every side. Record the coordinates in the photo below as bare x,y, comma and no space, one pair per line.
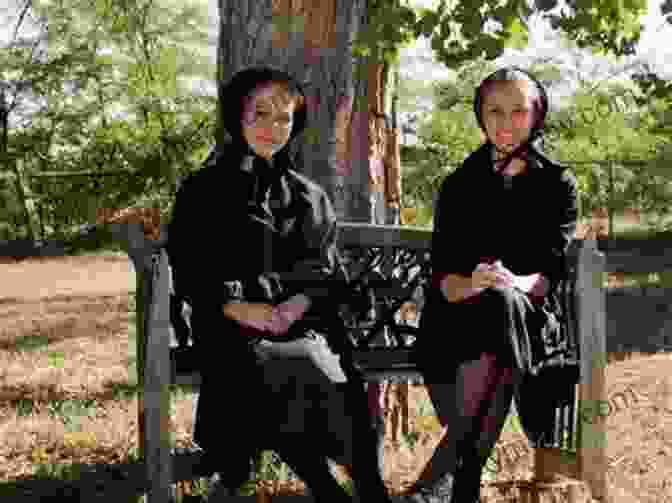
27,6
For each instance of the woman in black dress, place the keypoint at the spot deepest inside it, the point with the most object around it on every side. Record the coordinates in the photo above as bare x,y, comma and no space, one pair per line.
252,245
502,226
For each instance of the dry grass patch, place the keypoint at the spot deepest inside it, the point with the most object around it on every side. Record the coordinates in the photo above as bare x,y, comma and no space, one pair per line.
67,357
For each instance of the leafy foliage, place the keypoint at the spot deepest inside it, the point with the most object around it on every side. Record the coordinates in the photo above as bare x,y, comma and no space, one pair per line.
111,94
104,86
465,31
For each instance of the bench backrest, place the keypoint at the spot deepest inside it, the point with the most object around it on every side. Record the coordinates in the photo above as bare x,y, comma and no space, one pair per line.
399,260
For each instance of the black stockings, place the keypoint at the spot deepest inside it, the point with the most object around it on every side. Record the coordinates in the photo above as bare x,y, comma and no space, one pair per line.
474,409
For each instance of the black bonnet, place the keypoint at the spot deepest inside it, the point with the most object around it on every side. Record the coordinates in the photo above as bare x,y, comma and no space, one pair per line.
535,142
241,85
508,74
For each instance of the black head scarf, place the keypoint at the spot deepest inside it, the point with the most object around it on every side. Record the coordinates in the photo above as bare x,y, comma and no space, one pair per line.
240,88
533,147
270,196
235,150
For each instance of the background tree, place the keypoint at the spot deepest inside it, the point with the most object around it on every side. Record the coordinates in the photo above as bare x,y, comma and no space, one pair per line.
102,86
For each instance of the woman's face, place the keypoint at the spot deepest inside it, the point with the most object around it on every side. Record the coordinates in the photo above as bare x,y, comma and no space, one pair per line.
268,116
508,114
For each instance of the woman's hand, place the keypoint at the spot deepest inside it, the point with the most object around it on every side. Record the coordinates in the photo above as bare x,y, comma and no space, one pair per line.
456,288
285,314
533,284
252,314
490,276
505,278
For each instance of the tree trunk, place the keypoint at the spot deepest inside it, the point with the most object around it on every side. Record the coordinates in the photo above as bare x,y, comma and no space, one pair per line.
20,184
24,194
311,40
385,167
393,159
377,132
393,175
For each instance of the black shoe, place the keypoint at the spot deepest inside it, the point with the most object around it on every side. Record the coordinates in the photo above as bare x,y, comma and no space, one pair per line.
440,491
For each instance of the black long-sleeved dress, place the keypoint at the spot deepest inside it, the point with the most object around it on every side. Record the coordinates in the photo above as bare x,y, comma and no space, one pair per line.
528,224
246,229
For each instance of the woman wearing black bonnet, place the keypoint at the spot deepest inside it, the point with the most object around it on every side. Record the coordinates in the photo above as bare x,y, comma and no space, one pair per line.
489,330
253,250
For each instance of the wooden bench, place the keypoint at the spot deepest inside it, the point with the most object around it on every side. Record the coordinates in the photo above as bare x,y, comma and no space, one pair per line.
395,262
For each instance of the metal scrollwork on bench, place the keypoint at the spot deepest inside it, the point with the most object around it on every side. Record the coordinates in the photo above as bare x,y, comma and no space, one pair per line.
391,277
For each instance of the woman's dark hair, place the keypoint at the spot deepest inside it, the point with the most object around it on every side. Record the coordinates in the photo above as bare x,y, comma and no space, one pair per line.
539,102
244,83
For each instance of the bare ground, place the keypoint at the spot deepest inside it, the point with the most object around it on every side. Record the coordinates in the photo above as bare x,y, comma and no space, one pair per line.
64,336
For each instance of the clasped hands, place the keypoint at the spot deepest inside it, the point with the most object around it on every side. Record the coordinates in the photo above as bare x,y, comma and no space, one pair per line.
495,275
267,318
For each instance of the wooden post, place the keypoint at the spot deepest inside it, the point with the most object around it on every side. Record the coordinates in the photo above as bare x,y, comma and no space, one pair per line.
158,460
591,311
153,337
140,346
131,237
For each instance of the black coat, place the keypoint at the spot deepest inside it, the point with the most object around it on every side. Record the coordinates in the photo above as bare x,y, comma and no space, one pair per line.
244,228
527,224
247,229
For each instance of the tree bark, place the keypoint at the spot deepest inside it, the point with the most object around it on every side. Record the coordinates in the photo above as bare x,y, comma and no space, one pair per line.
393,158
385,166
310,39
377,76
